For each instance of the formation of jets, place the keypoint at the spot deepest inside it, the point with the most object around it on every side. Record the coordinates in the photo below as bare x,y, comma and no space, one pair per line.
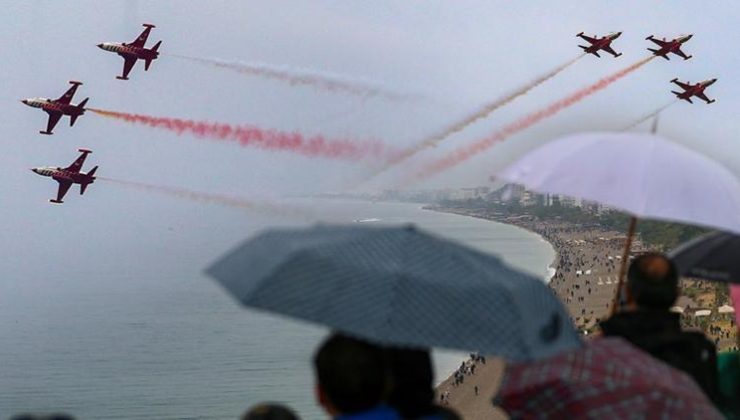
666,47
136,50
57,108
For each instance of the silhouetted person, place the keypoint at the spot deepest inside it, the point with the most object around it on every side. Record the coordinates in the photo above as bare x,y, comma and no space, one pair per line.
351,379
269,411
646,321
411,380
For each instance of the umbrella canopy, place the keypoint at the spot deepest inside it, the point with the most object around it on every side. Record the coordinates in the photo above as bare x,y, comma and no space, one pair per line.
713,257
398,286
642,174
607,378
726,309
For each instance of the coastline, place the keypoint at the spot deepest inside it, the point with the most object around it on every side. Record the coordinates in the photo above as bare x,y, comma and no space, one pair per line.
584,277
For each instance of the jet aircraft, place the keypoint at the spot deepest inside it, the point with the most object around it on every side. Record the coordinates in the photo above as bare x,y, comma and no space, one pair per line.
672,46
603,43
56,108
690,90
134,51
69,175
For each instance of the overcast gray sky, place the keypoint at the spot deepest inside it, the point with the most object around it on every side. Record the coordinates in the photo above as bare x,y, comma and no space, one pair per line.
458,53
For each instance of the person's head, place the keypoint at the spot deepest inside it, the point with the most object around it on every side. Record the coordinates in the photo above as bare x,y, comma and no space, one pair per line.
269,411
350,373
652,281
411,381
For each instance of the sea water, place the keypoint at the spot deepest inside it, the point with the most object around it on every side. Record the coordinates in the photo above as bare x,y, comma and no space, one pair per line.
145,335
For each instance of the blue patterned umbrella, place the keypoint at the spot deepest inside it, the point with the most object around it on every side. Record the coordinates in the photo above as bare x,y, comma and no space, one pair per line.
398,286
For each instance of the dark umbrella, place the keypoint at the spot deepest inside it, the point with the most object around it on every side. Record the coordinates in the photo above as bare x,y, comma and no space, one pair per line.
398,286
607,378
714,256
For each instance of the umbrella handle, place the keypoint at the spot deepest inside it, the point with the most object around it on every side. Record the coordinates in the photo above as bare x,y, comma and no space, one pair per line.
623,266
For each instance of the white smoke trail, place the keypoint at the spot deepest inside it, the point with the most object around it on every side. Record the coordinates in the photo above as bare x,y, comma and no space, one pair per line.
305,77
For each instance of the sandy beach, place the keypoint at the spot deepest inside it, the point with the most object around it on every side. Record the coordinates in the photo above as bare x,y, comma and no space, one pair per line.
587,262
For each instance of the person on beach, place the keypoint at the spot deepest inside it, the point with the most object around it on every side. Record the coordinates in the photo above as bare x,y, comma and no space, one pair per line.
411,377
269,411
646,321
351,379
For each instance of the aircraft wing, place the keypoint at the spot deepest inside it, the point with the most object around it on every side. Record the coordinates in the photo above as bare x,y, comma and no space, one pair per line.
681,53
609,50
128,64
63,188
659,42
141,40
77,164
588,38
54,118
683,86
67,97
702,96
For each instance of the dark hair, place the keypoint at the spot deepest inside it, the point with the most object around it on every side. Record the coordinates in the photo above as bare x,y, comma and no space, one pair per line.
410,376
652,280
351,373
270,411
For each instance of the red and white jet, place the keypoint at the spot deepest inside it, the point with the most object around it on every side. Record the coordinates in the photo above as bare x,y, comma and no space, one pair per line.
603,43
672,46
56,108
69,175
134,51
690,90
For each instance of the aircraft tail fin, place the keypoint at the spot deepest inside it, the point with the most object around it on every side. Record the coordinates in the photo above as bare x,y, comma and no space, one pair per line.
147,63
91,173
90,180
72,119
83,103
156,46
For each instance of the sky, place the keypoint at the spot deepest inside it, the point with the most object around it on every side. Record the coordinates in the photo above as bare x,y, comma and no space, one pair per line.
454,55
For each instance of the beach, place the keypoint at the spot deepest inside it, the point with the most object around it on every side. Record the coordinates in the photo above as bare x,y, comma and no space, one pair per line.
586,269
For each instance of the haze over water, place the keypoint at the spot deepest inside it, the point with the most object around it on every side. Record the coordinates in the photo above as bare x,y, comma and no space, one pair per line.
167,342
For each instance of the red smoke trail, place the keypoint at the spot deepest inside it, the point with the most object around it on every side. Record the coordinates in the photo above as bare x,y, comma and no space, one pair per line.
251,136
648,116
527,121
303,77
483,112
224,200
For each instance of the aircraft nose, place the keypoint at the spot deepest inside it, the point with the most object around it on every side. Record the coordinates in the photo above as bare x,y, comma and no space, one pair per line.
24,101
100,46
35,170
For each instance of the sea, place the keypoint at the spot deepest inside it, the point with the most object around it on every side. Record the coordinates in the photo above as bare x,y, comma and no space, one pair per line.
175,346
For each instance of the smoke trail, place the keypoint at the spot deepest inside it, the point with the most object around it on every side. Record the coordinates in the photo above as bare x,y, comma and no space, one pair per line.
465,153
304,77
481,113
224,200
251,136
648,116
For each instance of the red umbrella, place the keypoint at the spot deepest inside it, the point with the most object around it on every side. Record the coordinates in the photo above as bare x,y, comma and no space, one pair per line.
608,378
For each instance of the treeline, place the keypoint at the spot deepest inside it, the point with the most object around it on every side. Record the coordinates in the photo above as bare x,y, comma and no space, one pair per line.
659,235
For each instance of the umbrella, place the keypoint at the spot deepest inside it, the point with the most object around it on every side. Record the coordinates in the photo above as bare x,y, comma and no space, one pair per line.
713,256
641,174
607,378
398,286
